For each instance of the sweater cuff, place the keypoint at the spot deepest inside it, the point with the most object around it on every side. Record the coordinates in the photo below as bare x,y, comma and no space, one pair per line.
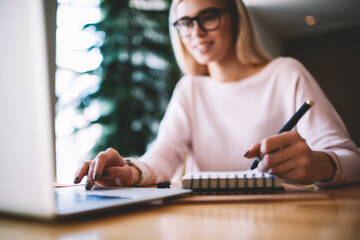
145,173
337,176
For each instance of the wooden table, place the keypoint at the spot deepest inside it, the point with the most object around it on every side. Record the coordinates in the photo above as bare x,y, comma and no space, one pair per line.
335,218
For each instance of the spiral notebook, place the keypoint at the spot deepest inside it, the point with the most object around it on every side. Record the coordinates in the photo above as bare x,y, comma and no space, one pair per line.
239,182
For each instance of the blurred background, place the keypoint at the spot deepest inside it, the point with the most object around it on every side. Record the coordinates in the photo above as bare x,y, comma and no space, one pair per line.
115,75
115,70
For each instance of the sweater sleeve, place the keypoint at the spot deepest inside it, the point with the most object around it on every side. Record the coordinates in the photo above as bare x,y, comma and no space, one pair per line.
172,144
324,130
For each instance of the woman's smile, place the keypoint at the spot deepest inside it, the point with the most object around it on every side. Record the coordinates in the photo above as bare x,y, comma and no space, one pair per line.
203,46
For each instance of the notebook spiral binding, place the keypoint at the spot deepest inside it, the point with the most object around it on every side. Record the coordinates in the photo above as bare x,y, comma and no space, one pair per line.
246,189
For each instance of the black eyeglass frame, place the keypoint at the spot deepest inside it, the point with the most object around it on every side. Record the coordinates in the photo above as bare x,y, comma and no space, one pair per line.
219,11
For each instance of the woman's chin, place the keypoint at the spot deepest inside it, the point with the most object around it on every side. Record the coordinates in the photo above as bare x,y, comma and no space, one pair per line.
203,60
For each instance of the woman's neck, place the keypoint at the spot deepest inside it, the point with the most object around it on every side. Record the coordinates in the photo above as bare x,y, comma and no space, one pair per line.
231,70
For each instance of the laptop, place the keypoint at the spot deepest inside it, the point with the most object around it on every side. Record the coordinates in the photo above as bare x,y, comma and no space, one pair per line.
27,149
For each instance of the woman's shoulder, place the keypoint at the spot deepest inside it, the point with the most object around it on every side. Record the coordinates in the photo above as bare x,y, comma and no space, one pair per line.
187,81
288,71
287,64
187,78
184,86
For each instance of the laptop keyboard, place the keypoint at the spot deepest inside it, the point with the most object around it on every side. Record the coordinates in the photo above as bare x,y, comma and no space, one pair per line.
72,200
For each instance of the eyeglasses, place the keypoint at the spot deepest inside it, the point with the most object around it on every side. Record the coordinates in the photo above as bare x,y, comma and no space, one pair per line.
208,20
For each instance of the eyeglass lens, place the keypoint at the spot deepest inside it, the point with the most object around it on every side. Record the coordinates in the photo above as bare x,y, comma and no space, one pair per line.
208,21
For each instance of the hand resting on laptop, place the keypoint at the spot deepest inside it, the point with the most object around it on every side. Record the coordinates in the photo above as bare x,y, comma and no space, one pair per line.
108,169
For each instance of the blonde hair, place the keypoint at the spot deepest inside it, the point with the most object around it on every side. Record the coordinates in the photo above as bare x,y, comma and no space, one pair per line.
248,50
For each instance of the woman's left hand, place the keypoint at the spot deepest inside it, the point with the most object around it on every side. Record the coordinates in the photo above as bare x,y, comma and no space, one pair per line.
288,156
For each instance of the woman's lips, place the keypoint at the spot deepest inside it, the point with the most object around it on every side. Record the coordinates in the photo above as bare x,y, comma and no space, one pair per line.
203,47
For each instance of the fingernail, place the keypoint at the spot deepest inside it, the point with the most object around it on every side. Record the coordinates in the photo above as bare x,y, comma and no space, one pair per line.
87,185
105,173
246,153
96,175
76,180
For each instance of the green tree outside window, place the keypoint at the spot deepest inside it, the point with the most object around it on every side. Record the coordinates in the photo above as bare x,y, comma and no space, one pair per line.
138,73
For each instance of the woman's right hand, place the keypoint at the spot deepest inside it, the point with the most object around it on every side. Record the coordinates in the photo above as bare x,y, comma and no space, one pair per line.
107,169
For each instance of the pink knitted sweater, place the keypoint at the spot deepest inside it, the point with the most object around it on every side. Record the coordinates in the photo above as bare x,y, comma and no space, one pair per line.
212,124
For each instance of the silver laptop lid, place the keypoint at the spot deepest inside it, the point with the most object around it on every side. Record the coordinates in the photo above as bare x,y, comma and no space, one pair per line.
26,139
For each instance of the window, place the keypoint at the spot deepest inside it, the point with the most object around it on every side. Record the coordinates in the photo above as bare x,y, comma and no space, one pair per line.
122,79
73,60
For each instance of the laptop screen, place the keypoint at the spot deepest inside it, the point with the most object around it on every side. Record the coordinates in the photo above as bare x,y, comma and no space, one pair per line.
26,108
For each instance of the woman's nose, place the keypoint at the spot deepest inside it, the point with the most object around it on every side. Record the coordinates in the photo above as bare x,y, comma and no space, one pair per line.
197,30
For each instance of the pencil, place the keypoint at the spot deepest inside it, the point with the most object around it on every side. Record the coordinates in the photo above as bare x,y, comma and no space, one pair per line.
289,125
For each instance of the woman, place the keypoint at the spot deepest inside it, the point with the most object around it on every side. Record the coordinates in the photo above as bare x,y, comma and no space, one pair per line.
232,100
